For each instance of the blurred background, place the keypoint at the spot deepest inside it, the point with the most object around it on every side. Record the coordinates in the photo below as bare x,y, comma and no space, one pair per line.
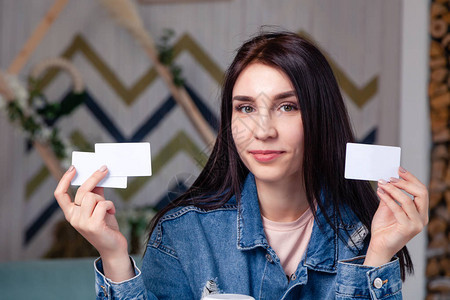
76,73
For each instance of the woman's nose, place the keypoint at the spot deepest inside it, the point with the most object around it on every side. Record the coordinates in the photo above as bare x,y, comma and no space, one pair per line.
264,127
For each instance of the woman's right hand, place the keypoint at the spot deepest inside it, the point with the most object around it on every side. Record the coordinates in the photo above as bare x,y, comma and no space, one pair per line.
93,217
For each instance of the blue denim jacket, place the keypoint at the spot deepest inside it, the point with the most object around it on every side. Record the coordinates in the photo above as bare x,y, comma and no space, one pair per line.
192,250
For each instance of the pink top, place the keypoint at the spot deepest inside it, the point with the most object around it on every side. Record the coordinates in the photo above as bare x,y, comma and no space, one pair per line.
289,239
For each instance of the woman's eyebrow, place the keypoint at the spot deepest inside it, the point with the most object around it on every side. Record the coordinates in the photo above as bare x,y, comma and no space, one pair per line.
243,98
284,95
279,96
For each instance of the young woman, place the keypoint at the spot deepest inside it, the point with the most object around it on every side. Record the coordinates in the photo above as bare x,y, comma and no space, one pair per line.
271,214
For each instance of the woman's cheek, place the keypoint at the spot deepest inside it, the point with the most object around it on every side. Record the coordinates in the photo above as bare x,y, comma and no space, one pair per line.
291,132
241,133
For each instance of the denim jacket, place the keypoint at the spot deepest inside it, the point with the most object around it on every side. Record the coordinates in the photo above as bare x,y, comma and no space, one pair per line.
192,252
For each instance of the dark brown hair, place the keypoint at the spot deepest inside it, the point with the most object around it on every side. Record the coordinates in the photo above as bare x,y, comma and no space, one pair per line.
326,131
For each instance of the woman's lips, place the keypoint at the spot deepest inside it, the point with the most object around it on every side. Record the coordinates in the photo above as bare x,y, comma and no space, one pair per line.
265,155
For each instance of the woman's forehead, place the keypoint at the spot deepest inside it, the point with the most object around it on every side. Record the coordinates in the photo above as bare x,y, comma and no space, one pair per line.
258,80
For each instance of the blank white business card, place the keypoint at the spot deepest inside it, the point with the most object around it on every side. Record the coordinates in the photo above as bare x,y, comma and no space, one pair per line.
371,162
86,163
125,159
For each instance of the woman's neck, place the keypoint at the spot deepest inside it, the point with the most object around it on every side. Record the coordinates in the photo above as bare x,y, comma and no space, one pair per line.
282,201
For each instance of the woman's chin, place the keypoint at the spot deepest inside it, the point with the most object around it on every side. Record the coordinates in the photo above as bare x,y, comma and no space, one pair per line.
269,176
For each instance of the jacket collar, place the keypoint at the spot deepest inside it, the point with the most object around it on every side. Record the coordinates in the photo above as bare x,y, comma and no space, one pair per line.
322,251
250,230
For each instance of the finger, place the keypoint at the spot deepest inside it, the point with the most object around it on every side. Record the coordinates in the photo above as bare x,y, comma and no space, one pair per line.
398,212
99,191
61,195
75,218
90,183
407,204
102,208
408,176
419,192
408,186
88,204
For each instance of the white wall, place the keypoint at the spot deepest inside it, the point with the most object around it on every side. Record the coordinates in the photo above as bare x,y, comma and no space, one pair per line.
415,137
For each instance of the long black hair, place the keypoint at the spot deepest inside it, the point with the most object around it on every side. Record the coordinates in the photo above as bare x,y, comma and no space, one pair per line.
326,131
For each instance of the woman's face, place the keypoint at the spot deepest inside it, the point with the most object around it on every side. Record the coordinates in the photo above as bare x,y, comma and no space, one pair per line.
266,124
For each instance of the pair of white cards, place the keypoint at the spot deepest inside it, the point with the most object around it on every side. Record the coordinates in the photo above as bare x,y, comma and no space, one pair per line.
122,159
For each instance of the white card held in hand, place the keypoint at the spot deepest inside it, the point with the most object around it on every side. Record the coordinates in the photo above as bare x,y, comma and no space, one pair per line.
125,159
86,163
371,162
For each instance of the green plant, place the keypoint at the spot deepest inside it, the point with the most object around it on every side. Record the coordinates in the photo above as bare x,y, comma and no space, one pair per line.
167,54
31,111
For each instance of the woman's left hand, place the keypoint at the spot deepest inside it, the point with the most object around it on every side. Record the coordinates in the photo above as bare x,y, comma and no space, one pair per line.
398,218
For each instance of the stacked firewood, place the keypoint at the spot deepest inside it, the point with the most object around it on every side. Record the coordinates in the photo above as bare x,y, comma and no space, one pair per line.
438,253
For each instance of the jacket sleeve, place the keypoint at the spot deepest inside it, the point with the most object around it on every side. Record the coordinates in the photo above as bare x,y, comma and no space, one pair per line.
356,281
162,278
133,288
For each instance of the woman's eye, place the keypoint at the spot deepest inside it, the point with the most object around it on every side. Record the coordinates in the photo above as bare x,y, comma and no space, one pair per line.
287,107
246,109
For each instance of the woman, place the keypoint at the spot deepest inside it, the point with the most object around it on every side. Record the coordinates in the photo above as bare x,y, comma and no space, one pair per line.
270,215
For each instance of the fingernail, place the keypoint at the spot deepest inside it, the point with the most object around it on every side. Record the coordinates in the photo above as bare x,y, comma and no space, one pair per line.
382,182
393,179
380,191
70,169
402,169
102,168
